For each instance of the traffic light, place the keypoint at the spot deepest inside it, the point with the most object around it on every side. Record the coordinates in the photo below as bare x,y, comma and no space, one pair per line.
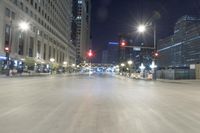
90,54
123,43
155,54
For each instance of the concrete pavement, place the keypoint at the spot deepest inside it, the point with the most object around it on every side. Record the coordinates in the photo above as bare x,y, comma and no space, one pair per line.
98,104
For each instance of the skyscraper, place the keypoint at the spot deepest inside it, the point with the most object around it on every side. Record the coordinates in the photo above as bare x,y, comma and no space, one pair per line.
182,48
81,28
48,34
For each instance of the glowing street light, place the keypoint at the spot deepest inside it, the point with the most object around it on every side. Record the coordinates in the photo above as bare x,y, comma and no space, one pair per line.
64,63
122,64
52,60
73,65
141,28
130,62
24,26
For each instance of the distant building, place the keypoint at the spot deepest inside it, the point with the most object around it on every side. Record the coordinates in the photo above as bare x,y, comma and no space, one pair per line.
49,35
183,47
104,57
81,28
113,54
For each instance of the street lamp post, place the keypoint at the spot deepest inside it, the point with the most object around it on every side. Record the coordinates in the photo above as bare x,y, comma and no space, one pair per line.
23,26
142,29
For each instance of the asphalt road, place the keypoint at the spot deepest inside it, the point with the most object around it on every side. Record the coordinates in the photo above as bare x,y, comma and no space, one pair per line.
98,104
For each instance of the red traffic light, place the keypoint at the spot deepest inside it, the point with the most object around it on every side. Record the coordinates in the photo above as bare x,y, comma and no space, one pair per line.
7,49
156,54
123,43
90,53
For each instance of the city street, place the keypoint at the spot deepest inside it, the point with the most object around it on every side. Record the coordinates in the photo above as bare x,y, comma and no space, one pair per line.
98,104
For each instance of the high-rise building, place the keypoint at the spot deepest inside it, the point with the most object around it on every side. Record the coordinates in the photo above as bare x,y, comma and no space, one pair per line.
182,48
104,58
48,34
81,28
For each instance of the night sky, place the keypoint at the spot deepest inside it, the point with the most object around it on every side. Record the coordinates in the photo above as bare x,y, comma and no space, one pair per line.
113,17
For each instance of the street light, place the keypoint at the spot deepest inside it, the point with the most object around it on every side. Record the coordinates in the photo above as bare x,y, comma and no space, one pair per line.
130,62
73,65
141,28
52,60
65,63
122,64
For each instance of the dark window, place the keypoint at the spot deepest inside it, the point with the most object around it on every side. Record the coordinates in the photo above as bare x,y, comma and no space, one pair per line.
7,12
49,52
13,15
31,2
31,47
44,55
36,6
21,5
26,9
21,45
15,2
38,47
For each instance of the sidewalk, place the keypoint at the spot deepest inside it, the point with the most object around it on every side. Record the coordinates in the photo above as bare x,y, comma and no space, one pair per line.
180,81
24,75
37,74
163,80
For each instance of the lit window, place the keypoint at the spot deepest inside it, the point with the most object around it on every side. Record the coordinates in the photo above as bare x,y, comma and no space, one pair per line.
80,2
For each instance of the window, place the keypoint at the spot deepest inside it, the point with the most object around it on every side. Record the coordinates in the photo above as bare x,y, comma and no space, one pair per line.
31,13
80,2
49,52
54,53
31,2
26,9
15,2
21,45
44,55
13,15
31,47
36,6
38,47
7,12
39,9
21,5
